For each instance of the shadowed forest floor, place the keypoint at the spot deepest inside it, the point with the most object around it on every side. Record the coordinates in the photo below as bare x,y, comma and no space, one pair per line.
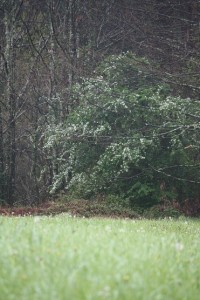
101,208
79,208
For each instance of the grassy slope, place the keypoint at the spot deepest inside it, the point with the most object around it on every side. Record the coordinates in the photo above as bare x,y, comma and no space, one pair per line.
71,258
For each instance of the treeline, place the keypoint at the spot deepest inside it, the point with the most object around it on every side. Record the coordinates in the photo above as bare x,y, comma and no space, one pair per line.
64,63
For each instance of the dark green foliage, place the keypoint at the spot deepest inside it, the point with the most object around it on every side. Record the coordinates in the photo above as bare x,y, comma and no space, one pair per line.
128,71
158,212
129,137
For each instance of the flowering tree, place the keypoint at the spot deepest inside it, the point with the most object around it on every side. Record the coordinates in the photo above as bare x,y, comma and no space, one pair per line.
127,135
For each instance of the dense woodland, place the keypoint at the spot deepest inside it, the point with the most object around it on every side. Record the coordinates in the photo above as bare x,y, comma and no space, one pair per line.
100,98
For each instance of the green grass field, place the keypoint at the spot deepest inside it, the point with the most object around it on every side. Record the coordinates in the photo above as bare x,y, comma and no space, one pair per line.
67,258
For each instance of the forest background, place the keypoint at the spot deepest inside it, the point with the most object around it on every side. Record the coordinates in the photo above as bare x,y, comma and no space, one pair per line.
100,98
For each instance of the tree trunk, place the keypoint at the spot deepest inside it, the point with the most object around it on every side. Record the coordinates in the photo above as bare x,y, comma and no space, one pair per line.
10,102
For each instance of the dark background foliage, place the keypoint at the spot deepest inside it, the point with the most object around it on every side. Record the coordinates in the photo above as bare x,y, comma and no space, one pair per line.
48,47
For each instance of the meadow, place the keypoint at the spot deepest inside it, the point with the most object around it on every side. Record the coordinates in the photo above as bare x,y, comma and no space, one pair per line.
67,258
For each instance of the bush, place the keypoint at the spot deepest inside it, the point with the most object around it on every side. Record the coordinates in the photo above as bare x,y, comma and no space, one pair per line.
158,211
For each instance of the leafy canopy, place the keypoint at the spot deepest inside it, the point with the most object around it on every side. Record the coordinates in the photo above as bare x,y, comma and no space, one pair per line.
127,135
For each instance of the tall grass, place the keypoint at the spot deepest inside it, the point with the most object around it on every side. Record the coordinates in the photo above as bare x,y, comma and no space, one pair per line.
63,258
